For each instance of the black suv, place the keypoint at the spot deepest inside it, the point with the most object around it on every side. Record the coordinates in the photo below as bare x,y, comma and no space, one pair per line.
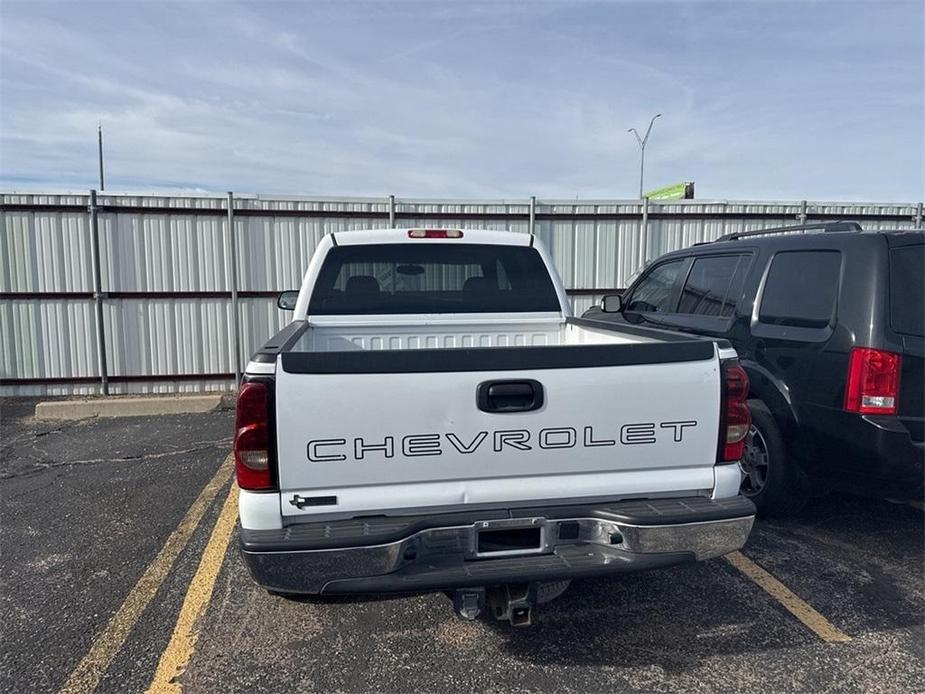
828,323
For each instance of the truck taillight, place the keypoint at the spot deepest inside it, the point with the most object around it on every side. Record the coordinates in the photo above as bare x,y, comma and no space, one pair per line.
873,381
252,437
737,419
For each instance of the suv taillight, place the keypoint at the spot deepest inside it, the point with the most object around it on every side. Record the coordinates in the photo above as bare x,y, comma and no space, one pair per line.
252,437
737,419
873,381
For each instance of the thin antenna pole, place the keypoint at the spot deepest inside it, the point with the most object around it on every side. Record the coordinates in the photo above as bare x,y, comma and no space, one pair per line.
99,139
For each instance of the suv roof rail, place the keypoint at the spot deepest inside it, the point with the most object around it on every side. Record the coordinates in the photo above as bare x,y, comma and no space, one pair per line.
816,226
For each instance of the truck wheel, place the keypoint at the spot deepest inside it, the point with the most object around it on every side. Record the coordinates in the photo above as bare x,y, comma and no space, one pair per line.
770,478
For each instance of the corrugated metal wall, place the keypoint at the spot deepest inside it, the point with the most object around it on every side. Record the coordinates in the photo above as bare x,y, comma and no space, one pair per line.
166,269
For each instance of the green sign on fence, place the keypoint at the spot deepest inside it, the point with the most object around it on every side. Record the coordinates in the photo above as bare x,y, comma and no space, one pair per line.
678,191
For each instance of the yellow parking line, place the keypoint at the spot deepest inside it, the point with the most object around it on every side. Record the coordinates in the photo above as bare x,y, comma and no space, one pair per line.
90,670
796,606
177,655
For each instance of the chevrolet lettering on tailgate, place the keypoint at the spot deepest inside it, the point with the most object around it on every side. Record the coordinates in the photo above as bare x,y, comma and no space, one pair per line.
417,445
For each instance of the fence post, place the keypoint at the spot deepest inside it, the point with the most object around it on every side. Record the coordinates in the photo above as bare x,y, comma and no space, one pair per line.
98,295
802,215
918,216
235,311
532,224
391,212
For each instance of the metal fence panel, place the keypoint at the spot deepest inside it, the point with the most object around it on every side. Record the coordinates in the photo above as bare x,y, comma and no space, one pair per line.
48,339
45,252
166,269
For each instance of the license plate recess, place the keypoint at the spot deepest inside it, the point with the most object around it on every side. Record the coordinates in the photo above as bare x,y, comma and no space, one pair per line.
507,537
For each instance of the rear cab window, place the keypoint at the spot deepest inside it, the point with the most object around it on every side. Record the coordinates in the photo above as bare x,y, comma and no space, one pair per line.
907,290
407,278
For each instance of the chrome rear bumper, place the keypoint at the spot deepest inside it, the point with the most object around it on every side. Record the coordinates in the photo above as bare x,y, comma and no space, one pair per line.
597,540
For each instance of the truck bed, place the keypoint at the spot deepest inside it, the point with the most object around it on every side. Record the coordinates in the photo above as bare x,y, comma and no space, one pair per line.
345,335
389,419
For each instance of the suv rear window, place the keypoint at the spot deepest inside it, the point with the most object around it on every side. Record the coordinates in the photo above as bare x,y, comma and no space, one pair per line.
713,285
907,290
801,289
432,278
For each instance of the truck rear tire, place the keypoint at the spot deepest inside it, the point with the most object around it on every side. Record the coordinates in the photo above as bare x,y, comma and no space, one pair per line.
771,478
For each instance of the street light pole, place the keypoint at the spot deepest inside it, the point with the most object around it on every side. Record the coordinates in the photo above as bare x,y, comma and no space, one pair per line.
99,141
642,147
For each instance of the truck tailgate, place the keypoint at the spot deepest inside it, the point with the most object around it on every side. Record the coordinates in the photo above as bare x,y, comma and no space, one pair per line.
366,443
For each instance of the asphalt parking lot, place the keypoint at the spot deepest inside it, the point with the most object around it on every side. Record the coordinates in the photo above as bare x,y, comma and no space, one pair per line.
119,570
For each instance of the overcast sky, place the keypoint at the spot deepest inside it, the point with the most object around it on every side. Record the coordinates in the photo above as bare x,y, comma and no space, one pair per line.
761,100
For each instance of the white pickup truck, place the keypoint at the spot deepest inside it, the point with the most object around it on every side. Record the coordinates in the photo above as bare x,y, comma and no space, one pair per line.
435,419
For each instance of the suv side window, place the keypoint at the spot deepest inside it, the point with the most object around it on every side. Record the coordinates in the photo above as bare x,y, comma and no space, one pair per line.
713,285
801,289
907,290
654,292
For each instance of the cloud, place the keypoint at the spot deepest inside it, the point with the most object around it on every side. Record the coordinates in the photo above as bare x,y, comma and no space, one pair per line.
819,101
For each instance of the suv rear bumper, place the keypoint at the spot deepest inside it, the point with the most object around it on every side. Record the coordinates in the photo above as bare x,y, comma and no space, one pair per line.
441,552
868,454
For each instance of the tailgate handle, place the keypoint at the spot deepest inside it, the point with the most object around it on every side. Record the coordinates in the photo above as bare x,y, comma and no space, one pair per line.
510,396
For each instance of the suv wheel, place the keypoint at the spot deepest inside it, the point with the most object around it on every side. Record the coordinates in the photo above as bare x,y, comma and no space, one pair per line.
769,477
754,463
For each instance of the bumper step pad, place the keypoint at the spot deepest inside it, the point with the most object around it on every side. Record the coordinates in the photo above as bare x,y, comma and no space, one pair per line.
568,562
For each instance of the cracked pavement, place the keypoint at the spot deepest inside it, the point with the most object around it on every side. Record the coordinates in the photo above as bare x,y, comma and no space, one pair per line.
85,506
29,446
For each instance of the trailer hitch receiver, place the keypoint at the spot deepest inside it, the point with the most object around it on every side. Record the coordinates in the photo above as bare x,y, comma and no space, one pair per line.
513,603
